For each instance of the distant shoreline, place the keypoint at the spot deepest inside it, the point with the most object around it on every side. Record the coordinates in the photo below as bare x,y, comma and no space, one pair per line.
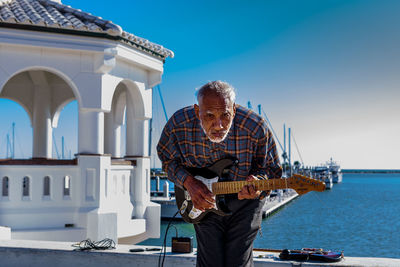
369,171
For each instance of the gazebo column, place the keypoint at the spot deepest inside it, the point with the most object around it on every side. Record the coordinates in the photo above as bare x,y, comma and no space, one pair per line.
91,132
137,140
112,132
137,137
41,121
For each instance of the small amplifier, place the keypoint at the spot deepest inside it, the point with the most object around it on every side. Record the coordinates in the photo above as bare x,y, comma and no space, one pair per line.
182,244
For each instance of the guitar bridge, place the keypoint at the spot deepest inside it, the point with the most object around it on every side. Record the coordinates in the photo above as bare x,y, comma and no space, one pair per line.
194,213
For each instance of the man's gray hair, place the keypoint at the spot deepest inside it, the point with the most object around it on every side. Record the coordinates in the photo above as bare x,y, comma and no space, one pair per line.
220,88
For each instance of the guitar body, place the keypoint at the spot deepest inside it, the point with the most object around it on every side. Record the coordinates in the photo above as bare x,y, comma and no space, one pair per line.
208,175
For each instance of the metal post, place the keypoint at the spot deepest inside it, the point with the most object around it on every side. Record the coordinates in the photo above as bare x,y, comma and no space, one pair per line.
249,106
166,189
157,183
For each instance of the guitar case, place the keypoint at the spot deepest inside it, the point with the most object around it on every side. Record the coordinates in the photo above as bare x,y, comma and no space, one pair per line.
310,254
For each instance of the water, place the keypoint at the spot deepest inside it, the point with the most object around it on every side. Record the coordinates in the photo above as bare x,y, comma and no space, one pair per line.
360,216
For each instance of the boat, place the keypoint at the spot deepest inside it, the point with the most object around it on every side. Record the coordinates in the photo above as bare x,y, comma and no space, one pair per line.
322,173
334,168
328,180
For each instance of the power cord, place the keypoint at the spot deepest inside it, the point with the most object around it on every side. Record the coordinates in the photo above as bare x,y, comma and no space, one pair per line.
88,244
164,247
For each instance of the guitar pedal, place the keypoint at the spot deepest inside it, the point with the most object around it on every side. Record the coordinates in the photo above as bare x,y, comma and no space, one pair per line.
182,244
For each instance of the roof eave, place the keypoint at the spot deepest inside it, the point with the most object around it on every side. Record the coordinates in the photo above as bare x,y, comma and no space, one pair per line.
88,34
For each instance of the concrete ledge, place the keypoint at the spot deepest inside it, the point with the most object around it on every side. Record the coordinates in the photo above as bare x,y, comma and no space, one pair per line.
45,253
5,233
51,234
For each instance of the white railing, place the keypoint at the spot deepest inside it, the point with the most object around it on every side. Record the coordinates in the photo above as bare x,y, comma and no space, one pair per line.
38,195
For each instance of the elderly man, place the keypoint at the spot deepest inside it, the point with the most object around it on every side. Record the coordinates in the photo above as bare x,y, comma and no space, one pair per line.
199,135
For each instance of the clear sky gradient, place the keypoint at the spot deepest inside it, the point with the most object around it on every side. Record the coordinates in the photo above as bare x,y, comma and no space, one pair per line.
330,70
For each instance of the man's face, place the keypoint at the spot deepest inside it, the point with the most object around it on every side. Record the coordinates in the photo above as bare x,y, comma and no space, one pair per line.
216,115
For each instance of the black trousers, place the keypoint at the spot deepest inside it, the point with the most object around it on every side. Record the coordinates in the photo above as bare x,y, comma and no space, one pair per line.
228,240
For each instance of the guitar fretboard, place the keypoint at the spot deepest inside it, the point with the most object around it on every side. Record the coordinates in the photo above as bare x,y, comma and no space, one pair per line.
221,188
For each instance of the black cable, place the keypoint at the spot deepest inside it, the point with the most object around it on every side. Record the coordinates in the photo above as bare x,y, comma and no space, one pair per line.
164,247
176,230
88,244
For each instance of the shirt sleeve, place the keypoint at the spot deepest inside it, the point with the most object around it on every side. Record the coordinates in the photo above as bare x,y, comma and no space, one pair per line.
266,164
169,153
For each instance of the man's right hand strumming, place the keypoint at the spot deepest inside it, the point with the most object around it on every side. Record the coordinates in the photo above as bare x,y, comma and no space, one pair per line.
202,198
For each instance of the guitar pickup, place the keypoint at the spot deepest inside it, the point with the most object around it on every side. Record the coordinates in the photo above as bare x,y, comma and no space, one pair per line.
187,196
183,207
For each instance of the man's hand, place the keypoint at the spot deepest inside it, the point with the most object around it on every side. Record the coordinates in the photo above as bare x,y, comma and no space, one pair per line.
202,198
249,191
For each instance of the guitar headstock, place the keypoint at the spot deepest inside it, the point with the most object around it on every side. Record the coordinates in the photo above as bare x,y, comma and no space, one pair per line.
303,184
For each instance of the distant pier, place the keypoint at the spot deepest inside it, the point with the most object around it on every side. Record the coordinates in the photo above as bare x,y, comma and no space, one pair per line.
369,171
274,204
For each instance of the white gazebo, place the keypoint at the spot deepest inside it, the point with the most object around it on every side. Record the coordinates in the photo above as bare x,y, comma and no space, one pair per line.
50,55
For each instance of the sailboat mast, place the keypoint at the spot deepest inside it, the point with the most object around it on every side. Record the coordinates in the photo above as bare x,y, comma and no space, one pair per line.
8,145
284,143
290,160
162,102
151,130
284,154
62,149
13,140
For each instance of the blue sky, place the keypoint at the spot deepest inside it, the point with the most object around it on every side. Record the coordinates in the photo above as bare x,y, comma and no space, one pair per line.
327,69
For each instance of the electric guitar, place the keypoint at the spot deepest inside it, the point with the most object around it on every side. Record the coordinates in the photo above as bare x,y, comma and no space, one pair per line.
214,177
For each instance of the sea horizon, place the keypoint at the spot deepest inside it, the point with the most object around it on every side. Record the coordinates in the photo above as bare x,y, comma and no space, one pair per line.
370,170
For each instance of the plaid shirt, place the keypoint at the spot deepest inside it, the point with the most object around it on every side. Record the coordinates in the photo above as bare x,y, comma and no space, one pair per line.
183,143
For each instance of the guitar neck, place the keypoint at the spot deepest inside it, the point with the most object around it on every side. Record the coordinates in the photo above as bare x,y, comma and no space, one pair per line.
221,188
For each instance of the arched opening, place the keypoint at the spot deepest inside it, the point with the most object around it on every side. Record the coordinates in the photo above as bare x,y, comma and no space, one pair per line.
4,187
15,131
137,121
43,93
126,126
65,136
26,186
46,186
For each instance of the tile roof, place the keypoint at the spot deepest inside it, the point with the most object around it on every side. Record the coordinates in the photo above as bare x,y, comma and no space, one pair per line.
46,15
